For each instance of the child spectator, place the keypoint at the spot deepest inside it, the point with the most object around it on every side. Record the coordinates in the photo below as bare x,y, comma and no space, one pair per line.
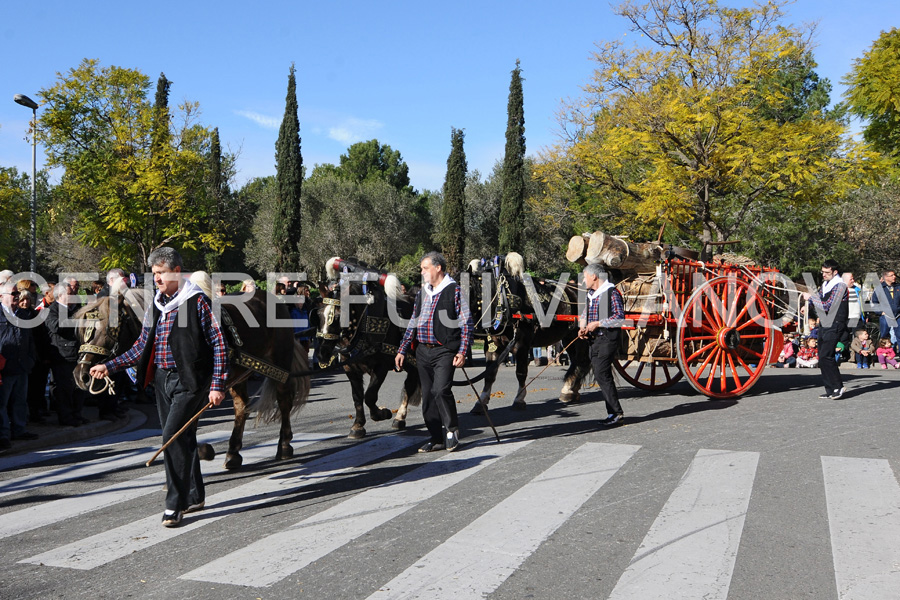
808,356
885,354
813,325
863,349
788,355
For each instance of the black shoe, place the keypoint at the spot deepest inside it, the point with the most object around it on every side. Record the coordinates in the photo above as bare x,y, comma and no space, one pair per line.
613,420
826,397
431,447
171,519
25,435
195,507
452,441
837,394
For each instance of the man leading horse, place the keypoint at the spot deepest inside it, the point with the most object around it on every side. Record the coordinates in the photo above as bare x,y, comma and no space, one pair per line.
182,349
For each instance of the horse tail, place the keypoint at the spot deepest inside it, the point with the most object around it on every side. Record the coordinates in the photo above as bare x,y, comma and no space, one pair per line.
298,387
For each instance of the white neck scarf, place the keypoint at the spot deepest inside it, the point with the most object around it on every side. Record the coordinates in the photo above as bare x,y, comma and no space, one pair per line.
827,286
433,291
603,287
187,290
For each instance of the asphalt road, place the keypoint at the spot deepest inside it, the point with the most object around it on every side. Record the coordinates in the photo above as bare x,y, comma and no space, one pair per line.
774,495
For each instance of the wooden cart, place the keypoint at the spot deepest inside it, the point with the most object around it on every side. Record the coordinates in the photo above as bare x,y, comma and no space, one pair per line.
715,323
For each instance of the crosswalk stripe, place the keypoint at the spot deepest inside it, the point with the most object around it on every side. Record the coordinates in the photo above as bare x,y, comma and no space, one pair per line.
21,460
122,541
691,548
863,500
120,460
277,556
41,515
475,561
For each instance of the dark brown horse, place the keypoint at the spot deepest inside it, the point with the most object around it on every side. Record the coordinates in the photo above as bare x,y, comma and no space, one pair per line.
503,304
368,342
254,346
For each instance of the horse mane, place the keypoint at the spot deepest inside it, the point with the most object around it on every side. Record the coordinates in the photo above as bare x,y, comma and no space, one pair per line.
331,268
515,264
203,281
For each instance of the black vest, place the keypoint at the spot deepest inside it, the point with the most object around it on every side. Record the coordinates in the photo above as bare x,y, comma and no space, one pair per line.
193,356
444,311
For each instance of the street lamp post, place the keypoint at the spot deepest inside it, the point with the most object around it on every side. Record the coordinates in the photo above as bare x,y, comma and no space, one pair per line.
28,102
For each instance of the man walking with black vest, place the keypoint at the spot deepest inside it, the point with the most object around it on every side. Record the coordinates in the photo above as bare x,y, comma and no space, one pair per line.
601,321
182,351
441,328
832,306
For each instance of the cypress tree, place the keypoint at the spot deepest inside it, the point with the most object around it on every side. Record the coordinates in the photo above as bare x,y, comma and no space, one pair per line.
453,228
512,202
159,136
288,183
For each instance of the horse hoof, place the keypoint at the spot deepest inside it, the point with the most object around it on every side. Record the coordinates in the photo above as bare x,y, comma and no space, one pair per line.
478,409
382,414
568,398
285,452
519,406
398,425
206,452
233,461
357,434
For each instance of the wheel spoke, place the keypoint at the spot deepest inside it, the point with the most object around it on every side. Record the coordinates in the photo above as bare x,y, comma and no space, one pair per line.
697,338
694,356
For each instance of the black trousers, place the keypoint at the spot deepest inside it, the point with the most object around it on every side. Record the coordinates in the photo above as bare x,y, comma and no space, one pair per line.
435,366
831,373
603,351
176,405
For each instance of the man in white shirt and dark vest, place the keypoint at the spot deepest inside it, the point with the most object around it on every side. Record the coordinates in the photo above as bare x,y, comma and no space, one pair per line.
441,329
601,321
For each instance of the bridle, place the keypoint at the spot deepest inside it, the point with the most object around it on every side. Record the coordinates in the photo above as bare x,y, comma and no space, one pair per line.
86,348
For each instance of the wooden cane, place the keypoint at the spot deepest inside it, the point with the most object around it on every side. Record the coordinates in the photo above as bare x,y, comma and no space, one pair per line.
549,364
484,407
180,431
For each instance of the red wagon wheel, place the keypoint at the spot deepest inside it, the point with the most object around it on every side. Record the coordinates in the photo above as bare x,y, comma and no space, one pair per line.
652,376
725,337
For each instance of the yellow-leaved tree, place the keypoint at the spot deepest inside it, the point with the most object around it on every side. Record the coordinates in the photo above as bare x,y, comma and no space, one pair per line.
697,122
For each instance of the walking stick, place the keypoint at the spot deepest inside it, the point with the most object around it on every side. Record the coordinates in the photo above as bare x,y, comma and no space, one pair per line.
484,407
548,364
179,432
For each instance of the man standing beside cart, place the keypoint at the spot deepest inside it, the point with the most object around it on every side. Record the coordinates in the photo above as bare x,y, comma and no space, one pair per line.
832,305
601,322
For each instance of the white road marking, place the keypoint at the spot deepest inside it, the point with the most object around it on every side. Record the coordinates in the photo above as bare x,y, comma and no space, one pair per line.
21,460
478,559
863,500
120,460
107,546
277,556
691,548
47,513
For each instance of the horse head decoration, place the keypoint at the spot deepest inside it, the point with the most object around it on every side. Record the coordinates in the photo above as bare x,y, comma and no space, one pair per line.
106,327
361,324
505,301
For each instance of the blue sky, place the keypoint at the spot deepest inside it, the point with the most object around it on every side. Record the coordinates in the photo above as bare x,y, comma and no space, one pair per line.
404,72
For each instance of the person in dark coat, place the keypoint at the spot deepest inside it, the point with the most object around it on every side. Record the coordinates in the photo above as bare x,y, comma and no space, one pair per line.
63,358
17,347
